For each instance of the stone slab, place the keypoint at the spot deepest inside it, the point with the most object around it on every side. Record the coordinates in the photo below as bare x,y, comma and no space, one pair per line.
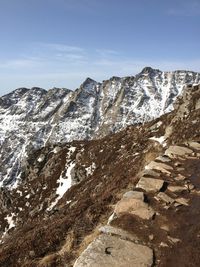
134,207
153,165
178,151
176,188
194,145
165,198
110,251
150,184
107,229
134,194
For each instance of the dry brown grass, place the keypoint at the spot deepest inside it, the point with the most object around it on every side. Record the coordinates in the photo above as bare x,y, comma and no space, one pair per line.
87,240
48,260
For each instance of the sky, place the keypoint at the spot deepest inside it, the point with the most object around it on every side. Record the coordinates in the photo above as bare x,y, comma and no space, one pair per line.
58,43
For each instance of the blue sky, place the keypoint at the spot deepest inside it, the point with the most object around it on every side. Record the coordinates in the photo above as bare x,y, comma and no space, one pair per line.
59,43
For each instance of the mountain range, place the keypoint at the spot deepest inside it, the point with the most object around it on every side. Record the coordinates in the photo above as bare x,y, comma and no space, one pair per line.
129,198
34,118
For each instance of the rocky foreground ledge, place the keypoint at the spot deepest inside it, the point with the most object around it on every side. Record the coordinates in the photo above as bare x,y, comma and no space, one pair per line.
154,224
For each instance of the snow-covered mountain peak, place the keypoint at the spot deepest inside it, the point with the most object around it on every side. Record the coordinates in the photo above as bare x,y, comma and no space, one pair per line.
149,70
31,118
88,85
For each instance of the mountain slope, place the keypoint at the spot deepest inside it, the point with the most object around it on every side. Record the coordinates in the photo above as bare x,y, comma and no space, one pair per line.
71,189
30,119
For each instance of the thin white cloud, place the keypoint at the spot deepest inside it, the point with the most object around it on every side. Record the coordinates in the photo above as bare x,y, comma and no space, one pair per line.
61,47
55,52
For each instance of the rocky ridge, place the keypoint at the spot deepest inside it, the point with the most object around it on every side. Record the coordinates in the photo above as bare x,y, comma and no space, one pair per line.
31,119
70,190
141,231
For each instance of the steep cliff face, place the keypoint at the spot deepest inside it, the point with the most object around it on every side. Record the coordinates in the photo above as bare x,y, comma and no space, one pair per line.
30,119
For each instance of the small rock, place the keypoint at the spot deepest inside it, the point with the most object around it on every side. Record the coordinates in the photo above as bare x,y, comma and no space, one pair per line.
150,184
151,237
182,201
176,189
166,207
164,159
164,197
32,253
177,164
165,228
162,244
177,204
180,169
173,240
190,186
194,145
180,177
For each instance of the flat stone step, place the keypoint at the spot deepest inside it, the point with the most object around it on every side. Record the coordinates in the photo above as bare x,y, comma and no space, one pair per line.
176,188
134,195
148,172
178,151
193,145
107,229
182,201
111,251
165,198
150,184
164,159
180,177
153,165
134,206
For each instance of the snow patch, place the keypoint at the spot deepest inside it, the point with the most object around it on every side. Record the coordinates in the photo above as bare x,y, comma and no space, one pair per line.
160,140
56,149
111,218
10,221
64,184
90,169
11,224
71,151
41,158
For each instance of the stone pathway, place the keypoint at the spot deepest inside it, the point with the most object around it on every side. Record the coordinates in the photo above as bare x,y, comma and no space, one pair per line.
141,227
